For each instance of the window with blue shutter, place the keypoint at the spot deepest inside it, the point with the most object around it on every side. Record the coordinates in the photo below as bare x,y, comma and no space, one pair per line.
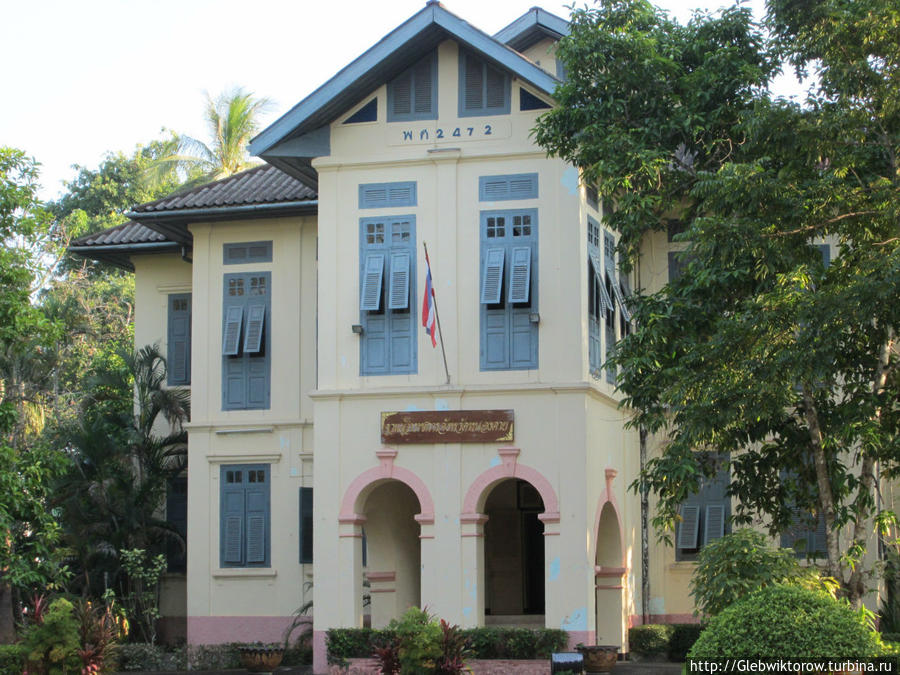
508,290
178,340
598,300
704,515
246,341
387,254
483,88
247,252
806,535
306,525
412,95
610,282
244,515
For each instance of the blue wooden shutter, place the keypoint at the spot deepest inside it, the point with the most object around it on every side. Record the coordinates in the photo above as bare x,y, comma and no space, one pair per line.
508,187
231,334
423,86
384,195
257,518
401,96
825,252
715,522
231,535
689,528
606,303
370,296
492,279
256,315
398,295
473,87
306,525
495,90
178,342
520,274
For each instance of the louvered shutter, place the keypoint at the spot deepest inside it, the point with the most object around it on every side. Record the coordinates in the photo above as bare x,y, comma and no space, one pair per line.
689,528
605,301
494,188
620,299
257,517
492,282
401,194
474,83
231,337
401,90
520,274
495,90
179,339
421,75
522,187
715,522
232,529
398,296
370,297
256,318
825,252
817,542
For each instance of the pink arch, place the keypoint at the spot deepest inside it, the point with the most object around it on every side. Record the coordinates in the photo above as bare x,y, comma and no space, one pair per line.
607,497
387,471
510,468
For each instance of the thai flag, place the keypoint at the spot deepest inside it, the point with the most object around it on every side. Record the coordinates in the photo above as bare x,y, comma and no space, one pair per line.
428,311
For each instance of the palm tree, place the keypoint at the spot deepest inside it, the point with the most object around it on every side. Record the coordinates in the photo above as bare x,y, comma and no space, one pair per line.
232,119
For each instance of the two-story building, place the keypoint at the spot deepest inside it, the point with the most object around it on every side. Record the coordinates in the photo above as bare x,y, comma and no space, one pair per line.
331,441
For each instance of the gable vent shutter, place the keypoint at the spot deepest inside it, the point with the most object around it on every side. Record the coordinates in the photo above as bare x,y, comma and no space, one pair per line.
495,90
715,522
256,316
690,527
493,276
520,274
474,85
399,290
422,79
232,334
402,91
370,298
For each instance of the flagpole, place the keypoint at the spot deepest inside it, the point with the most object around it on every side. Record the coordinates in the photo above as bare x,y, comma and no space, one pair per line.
437,314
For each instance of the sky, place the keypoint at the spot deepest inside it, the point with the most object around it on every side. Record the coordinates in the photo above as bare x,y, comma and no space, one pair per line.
85,78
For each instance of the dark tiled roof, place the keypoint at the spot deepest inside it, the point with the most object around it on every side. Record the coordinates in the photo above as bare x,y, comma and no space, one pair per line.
127,233
263,184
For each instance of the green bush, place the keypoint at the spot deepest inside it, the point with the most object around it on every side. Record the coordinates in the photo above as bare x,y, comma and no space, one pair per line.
51,645
787,620
484,643
419,638
214,657
684,635
140,656
650,639
735,565
12,659
890,637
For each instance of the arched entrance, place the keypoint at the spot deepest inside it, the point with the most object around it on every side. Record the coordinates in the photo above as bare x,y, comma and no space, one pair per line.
392,553
610,577
514,554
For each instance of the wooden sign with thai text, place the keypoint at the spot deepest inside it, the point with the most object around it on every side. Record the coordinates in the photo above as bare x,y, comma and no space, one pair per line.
447,426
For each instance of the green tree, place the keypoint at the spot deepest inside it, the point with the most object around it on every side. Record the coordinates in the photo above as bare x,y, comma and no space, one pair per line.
125,446
232,119
29,555
758,349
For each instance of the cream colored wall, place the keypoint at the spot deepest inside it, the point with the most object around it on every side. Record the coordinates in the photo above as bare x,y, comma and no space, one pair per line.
543,53
280,436
155,277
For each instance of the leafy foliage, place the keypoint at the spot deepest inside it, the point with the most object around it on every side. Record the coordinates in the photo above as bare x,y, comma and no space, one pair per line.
780,620
51,642
758,349
736,565
650,639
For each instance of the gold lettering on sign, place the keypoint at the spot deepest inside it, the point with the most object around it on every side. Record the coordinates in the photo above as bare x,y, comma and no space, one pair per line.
447,426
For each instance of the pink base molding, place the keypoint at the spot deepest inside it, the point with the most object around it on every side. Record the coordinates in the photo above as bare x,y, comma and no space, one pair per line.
665,618
477,666
320,652
585,637
213,630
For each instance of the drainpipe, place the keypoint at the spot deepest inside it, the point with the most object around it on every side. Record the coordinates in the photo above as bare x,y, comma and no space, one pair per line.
645,537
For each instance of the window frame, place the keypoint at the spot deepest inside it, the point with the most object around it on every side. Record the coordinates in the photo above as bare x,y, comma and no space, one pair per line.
483,110
244,562
412,115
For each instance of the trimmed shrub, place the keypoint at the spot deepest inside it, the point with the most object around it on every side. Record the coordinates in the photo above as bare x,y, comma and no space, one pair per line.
484,643
781,620
139,656
12,659
684,635
214,657
651,639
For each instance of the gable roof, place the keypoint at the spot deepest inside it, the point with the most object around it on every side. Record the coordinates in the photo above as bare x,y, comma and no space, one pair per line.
532,27
397,50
